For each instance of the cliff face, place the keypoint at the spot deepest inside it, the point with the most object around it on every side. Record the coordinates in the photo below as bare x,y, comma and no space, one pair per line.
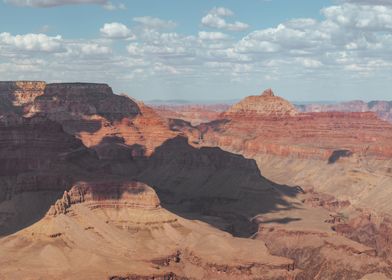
275,129
18,96
89,111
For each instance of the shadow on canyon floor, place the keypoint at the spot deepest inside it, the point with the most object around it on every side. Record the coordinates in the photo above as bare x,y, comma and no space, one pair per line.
223,189
208,184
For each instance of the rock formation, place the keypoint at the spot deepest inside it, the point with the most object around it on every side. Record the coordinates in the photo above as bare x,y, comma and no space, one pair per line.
383,109
17,97
92,179
119,230
331,155
193,113
266,104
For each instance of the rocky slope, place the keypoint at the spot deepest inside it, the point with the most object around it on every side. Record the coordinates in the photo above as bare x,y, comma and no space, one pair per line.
383,109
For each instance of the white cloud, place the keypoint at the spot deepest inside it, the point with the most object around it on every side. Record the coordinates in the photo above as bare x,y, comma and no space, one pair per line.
216,19
116,30
33,42
52,3
310,63
94,49
370,2
213,36
350,42
360,17
110,6
156,23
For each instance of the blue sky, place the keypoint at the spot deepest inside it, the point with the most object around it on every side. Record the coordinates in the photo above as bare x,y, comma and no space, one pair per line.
204,49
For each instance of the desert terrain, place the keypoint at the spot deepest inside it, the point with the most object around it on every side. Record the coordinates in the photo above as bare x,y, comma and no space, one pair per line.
95,185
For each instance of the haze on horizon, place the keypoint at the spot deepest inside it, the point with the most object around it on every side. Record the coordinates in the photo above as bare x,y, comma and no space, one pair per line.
207,50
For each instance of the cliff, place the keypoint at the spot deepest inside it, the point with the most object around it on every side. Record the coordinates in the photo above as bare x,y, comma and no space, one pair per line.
267,125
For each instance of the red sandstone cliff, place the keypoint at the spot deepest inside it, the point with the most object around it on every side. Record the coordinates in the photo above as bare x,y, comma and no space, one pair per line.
270,125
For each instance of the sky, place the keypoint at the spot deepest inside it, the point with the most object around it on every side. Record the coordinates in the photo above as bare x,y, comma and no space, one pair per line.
305,50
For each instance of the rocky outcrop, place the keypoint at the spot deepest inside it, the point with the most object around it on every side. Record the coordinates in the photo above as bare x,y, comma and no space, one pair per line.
324,256
92,113
107,194
17,97
265,105
67,102
369,228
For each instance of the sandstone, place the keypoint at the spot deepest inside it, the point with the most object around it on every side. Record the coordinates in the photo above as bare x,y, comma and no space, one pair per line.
266,104
22,93
93,155
107,194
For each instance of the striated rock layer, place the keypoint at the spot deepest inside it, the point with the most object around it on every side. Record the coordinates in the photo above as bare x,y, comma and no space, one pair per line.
383,109
97,211
341,160
266,104
193,113
89,111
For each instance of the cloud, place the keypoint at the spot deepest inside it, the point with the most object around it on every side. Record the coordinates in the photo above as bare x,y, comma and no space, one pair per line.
360,17
116,30
156,23
370,2
216,19
110,6
349,42
53,3
213,36
33,42
94,49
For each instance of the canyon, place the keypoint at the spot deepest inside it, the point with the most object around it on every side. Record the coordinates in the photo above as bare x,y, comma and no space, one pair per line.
95,185
383,109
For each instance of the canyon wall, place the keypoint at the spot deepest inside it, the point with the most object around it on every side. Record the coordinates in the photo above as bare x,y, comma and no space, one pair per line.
383,109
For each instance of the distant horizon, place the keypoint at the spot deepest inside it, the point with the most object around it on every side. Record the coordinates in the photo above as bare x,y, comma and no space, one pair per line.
202,101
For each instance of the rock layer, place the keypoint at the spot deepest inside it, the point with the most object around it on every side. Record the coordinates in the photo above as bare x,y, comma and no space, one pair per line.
383,109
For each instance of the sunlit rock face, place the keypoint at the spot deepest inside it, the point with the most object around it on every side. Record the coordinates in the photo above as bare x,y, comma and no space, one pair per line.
264,105
268,124
18,96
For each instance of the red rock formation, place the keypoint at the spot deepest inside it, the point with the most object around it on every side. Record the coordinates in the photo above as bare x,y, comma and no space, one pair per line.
107,194
269,125
193,113
383,109
17,97
92,112
266,104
